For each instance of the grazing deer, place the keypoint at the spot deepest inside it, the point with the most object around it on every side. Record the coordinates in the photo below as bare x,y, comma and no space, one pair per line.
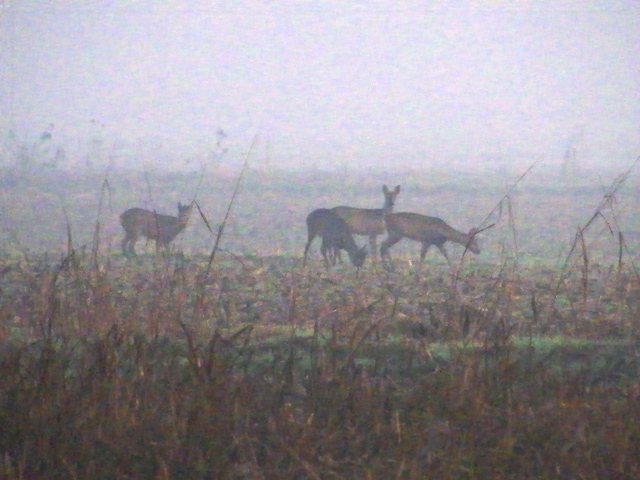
335,236
426,230
369,221
138,222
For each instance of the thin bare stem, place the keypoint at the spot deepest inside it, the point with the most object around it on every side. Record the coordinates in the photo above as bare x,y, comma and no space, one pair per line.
226,215
498,207
607,199
96,236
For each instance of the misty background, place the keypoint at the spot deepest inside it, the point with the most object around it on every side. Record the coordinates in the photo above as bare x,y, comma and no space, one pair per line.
321,83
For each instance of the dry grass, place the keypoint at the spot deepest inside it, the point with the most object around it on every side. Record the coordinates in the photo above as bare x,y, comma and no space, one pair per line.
248,367
139,369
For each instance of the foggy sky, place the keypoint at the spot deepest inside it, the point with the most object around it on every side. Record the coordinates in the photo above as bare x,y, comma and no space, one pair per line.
329,82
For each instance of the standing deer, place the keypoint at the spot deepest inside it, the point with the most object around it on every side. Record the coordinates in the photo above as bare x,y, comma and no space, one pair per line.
335,236
426,230
138,222
369,221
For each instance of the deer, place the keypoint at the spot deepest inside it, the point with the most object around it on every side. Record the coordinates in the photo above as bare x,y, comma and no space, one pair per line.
369,221
138,222
335,236
426,230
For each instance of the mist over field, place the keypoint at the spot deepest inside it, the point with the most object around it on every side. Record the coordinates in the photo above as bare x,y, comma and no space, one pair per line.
150,103
512,130
536,220
321,85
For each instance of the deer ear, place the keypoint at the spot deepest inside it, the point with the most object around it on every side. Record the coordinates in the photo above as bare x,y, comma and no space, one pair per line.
385,190
397,189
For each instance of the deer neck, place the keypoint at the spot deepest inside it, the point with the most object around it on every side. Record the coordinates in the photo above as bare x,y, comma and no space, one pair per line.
387,208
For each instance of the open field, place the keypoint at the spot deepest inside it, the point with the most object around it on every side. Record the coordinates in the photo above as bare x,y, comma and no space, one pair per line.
520,362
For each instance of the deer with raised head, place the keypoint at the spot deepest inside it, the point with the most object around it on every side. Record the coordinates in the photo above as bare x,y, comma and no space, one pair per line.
369,221
138,222
335,235
426,230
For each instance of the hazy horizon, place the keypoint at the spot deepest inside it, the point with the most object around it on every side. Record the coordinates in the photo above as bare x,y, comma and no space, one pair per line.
323,84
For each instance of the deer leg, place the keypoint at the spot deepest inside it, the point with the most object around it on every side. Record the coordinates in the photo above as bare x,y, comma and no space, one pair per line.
131,241
373,245
306,249
334,253
388,243
385,258
125,240
162,246
444,252
423,250
323,250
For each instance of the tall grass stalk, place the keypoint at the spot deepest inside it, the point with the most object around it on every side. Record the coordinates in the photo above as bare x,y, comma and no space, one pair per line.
124,371
236,190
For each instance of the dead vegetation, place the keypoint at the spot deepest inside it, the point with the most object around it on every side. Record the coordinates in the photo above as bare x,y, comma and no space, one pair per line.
248,367
132,370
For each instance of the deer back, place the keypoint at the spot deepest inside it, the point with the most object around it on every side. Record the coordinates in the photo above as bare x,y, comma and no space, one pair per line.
369,221
155,226
362,221
433,230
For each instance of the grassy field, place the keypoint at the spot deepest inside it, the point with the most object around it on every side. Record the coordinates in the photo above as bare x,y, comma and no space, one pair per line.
520,362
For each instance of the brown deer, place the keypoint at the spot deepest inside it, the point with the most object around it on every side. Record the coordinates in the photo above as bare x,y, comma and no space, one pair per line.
138,222
426,230
369,221
335,236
